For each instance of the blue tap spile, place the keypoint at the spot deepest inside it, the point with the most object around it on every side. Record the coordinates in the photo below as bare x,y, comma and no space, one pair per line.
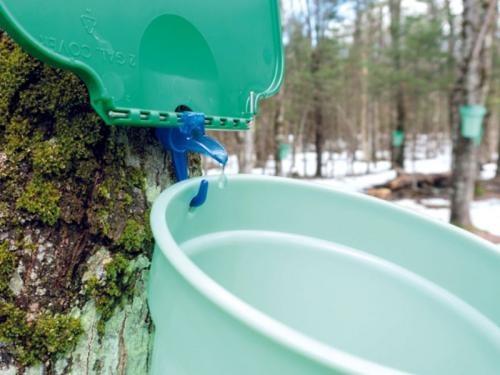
190,137
200,198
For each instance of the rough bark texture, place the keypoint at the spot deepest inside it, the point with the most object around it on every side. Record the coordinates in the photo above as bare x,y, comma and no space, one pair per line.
74,233
471,88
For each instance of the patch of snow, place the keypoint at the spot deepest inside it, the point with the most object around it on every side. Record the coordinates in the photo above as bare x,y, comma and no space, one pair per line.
437,202
485,215
358,183
441,214
357,175
489,171
441,164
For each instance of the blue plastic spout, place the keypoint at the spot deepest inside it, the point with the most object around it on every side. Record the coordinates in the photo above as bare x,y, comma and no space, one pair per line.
190,137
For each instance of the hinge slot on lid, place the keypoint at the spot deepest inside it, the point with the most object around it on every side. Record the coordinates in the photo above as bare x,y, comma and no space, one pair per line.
142,118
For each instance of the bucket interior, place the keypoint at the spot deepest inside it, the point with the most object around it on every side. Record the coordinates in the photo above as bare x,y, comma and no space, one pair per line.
356,274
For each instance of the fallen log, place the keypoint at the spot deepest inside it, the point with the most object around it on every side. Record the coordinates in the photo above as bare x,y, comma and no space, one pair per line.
382,193
419,181
411,183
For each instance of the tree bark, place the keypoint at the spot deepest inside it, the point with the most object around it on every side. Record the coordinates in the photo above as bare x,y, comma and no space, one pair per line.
319,131
316,23
278,132
471,88
398,152
361,45
75,243
498,157
246,151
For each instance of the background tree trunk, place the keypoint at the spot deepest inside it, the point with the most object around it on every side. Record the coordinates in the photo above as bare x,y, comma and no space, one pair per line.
75,243
278,132
360,47
398,152
317,113
498,158
246,150
471,88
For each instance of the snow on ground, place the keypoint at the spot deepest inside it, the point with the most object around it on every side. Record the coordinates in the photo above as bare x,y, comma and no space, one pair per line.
485,214
442,214
356,176
347,175
489,171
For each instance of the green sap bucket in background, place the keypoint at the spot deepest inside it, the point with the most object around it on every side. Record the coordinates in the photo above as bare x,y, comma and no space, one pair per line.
479,138
398,138
141,60
273,276
472,121
284,150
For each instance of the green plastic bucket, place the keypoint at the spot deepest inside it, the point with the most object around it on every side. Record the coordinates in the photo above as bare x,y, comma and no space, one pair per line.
472,121
284,150
398,138
273,276
479,138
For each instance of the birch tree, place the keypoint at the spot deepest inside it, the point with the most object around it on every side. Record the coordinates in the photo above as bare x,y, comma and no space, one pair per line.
471,88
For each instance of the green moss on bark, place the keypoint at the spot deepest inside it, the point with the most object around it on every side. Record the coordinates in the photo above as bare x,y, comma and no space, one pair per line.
49,158
134,236
48,141
41,198
4,214
70,186
15,67
35,339
8,264
112,290
116,214
18,139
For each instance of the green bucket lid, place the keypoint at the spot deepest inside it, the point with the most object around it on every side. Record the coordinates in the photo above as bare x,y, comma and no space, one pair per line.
141,60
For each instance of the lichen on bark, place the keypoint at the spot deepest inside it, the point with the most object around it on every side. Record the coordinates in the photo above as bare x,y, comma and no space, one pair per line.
75,241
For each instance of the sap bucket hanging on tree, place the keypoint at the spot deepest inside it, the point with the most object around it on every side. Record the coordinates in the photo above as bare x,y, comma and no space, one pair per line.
144,61
284,150
472,121
398,138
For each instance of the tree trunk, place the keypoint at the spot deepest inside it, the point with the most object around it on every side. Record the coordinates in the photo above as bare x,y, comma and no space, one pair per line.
75,244
319,131
248,157
484,152
300,134
498,157
360,47
315,21
398,152
278,132
319,141
471,88
245,144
